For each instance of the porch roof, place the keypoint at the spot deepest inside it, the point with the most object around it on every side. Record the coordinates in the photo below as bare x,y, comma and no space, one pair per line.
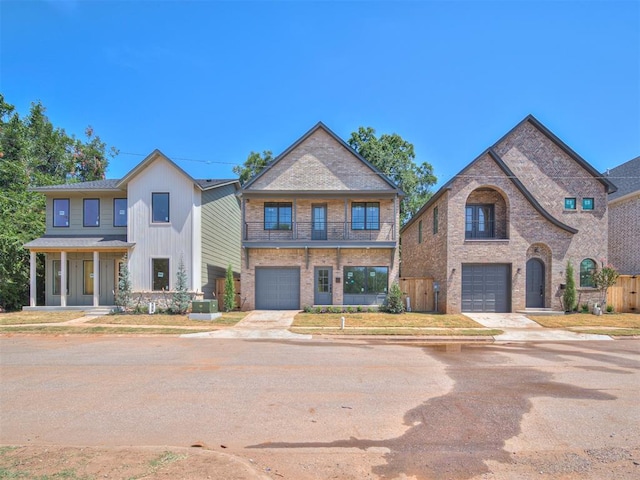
52,243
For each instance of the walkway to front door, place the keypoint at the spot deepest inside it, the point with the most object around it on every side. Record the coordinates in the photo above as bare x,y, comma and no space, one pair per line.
259,324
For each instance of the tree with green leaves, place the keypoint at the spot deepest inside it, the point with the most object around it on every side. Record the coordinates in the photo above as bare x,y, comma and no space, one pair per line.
253,165
33,152
181,297
603,279
394,303
124,288
229,291
569,295
395,157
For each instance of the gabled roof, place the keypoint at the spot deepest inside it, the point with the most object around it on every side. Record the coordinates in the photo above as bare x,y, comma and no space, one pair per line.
564,147
149,159
316,127
117,185
626,177
516,181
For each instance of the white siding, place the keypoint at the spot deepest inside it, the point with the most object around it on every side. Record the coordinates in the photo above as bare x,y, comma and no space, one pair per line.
159,240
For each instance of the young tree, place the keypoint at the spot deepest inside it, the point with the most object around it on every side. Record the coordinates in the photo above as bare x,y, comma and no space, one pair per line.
603,279
181,297
34,153
394,300
253,165
569,295
395,157
229,291
124,289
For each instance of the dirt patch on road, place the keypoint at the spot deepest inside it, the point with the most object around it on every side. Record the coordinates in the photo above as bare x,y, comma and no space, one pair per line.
77,463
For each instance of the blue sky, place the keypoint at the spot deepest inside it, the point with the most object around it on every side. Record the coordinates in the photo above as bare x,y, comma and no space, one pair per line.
208,82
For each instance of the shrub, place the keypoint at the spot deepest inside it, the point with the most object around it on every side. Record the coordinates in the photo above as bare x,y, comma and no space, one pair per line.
317,310
229,291
609,308
123,290
360,309
351,310
394,302
585,308
181,298
603,279
569,295
307,309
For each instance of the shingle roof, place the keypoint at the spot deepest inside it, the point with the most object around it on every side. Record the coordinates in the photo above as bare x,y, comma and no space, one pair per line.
626,177
210,183
80,242
110,184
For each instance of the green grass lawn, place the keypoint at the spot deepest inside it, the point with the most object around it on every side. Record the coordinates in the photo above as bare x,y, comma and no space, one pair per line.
21,318
86,329
616,324
380,319
230,318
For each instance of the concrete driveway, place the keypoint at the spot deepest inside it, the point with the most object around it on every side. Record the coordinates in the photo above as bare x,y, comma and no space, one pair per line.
518,328
327,409
259,324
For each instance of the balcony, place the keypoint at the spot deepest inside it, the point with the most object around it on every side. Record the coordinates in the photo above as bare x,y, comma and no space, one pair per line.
304,232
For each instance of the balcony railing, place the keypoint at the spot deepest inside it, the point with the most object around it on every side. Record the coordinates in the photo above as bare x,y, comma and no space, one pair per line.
325,231
485,230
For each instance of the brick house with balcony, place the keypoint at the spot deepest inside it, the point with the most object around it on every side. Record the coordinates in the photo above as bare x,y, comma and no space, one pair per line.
624,218
320,227
497,236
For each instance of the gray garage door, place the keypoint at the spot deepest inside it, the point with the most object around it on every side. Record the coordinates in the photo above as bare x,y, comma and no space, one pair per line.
278,288
485,288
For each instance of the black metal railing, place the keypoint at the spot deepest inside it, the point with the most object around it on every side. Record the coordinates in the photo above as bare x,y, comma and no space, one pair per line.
319,231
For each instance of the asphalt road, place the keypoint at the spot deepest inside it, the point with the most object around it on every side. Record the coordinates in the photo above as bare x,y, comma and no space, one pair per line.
328,409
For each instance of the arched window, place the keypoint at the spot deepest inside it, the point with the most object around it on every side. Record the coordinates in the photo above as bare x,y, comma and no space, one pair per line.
587,267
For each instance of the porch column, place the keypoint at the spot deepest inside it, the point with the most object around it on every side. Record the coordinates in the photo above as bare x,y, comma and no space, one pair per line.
96,279
63,279
32,278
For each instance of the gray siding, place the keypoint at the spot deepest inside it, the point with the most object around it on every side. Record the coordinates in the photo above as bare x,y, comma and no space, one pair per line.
221,235
76,215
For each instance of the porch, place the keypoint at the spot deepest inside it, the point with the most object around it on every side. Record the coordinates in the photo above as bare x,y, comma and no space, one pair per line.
80,273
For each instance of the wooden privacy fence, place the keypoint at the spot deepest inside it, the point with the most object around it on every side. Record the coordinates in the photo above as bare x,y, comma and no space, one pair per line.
624,295
220,292
420,291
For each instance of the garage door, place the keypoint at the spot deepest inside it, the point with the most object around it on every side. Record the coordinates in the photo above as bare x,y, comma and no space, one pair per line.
485,288
278,288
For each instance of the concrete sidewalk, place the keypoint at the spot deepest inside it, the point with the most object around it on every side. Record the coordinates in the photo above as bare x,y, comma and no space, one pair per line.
259,324
518,328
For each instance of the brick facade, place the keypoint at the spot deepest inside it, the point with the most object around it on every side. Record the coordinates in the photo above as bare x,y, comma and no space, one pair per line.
319,169
624,234
549,174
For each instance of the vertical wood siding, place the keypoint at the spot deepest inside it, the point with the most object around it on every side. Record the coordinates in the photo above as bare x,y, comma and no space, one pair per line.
172,240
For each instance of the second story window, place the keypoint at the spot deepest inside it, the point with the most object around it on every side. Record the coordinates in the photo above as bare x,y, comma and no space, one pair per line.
160,207
119,212
91,212
587,203
277,216
570,203
365,216
435,220
60,212
478,221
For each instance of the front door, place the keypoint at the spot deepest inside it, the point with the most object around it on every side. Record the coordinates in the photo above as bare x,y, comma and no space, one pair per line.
535,283
323,281
107,282
319,227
